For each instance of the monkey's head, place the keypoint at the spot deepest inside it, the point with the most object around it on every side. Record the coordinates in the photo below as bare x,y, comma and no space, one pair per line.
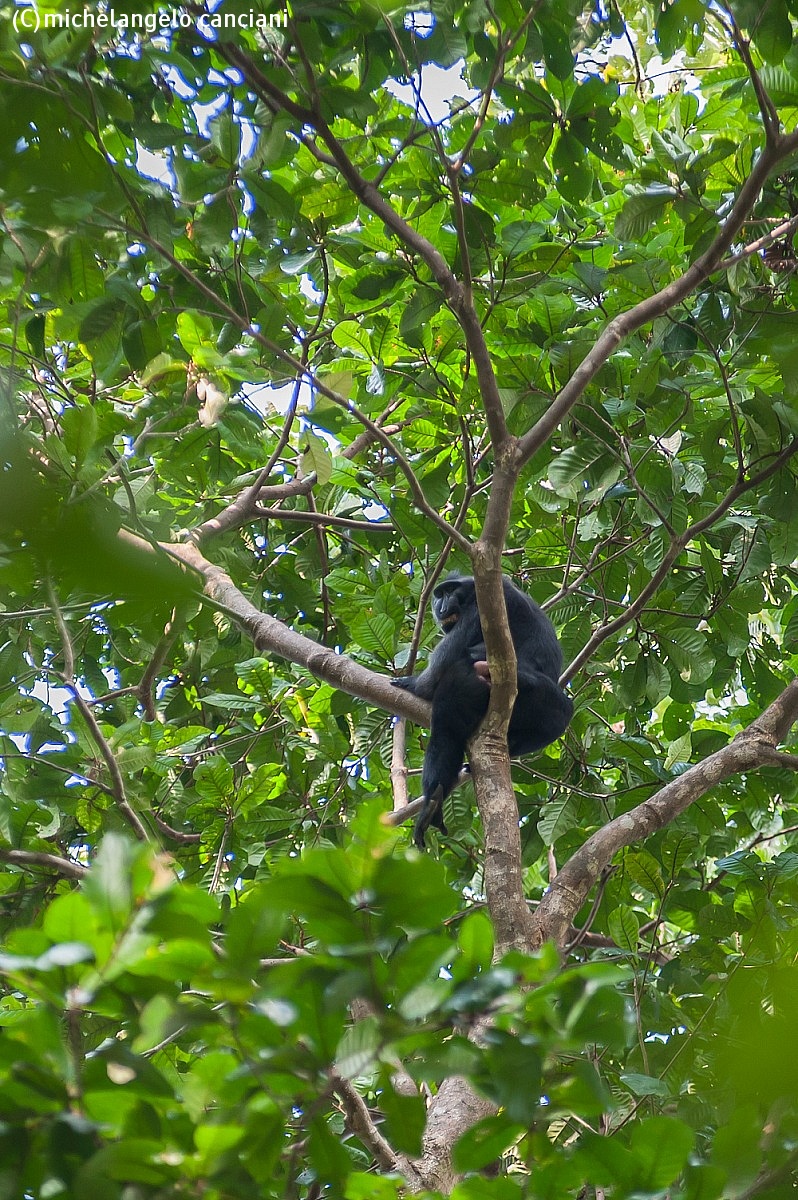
451,599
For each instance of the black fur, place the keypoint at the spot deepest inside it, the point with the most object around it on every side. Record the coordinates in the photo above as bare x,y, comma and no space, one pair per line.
460,696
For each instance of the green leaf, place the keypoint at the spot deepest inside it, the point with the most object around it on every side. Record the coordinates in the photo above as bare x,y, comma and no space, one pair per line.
195,331
213,779
358,1048
645,871
328,1156
680,750
133,1161
213,1142
416,316
485,1142
641,210
85,274
568,471
661,1146
405,1120
297,264
772,31
476,941
109,885
372,286
781,85
573,169
424,880
556,48
557,817
226,136
34,335
316,458
160,365
68,917
445,46
102,318
673,23
645,1085
80,427
376,633
624,928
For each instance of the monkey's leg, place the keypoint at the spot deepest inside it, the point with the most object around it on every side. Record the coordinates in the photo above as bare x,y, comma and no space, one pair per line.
431,814
541,713
456,714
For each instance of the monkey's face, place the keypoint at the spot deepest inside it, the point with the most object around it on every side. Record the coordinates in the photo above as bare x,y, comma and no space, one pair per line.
450,600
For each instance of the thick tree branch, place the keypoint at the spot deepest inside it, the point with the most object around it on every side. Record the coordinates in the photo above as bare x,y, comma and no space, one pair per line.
51,862
455,1108
399,772
404,812
503,874
273,636
622,326
242,510
360,1121
751,749
323,520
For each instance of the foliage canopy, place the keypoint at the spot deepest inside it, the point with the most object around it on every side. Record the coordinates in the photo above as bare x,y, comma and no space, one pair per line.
285,333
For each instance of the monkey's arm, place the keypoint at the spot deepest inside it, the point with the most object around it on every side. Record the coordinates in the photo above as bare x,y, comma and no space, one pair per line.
426,682
422,685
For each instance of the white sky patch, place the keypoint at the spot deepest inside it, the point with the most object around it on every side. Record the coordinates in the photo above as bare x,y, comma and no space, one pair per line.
179,84
662,76
154,166
438,86
206,112
268,398
422,23
308,289
249,137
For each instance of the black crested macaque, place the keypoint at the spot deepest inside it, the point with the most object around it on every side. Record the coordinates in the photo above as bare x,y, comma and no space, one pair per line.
457,681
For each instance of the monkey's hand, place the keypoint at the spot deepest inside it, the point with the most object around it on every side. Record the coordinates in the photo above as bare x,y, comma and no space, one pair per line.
482,670
406,682
479,657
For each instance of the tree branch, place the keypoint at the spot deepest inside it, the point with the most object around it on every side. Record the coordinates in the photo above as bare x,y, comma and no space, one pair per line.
751,749
322,520
455,294
677,546
53,862
454,1109
117,782
622,326
145,691
269,634
359,1120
